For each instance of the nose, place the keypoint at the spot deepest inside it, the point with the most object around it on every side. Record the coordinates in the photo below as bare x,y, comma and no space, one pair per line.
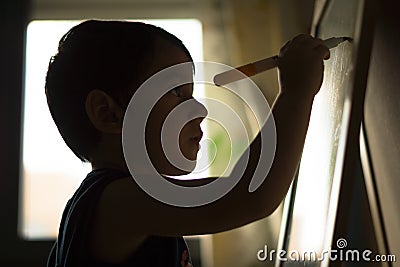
199,110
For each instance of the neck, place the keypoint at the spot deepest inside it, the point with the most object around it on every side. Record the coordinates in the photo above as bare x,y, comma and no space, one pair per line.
99,164
108,154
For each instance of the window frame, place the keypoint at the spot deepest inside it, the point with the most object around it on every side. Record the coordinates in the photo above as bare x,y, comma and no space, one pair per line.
16,16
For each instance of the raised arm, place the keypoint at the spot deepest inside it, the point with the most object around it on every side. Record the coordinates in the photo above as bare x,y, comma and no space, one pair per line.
300,73
131,212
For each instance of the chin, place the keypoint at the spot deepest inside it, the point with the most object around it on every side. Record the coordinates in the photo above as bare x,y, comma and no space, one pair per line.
186,169
181,167
178,173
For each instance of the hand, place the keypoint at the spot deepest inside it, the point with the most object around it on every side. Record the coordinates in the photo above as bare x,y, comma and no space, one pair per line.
301,65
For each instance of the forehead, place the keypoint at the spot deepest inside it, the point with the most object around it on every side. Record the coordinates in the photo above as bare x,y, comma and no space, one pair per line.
167,54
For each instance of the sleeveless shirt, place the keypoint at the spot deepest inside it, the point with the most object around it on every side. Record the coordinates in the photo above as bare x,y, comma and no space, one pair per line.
72,249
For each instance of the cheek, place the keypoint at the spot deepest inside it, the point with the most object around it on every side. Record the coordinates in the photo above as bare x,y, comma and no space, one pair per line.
160,112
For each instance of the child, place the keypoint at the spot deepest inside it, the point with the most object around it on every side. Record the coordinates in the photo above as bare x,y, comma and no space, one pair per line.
110,220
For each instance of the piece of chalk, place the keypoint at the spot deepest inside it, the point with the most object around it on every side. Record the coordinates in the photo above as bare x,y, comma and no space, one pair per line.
335,41
265,64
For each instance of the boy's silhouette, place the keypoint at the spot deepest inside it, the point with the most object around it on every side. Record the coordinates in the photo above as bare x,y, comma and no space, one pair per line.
110,221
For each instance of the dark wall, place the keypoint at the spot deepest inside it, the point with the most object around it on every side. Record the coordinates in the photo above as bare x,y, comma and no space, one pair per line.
381,126
14,252
13,18
382,117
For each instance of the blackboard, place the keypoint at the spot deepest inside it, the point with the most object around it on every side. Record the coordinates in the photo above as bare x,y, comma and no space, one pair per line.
331,142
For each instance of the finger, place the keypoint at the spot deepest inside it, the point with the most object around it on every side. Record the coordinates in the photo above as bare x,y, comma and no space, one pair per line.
293,42
286,45
301,37
284,48
318,41
323,50
313,42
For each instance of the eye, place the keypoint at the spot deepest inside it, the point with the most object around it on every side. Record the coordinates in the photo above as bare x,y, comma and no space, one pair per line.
176,92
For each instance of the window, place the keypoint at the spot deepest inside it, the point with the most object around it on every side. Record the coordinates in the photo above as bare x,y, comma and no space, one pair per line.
50,171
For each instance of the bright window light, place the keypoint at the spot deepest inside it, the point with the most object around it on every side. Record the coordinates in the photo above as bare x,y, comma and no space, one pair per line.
51,172
323,156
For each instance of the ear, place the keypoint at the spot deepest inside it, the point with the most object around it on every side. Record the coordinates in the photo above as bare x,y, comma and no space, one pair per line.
104,113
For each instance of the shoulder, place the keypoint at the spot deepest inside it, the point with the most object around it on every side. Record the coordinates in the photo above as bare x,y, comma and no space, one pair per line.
111,240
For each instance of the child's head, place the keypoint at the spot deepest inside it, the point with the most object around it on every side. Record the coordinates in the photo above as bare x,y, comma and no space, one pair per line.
99,65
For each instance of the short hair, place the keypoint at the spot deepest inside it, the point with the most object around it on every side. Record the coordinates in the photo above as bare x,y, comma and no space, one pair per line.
113,56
